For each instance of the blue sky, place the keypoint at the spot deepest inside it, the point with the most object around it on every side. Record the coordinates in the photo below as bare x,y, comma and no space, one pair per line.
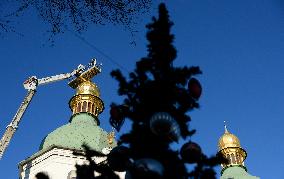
239,45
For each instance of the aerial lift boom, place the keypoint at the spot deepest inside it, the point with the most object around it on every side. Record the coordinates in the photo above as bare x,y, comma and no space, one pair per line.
31,85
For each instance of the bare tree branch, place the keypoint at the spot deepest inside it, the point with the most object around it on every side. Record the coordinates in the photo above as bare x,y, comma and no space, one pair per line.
78,14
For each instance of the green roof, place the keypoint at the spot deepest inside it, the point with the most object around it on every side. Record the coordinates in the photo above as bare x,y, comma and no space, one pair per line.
236,172
82,129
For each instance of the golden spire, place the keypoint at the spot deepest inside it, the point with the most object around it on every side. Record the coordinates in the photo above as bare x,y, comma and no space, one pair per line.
230,148
225,126
87,97
111,136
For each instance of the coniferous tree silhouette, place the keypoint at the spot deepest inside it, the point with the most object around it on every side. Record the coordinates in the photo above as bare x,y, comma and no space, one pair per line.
158,97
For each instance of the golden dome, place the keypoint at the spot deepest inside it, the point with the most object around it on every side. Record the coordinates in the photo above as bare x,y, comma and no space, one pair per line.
88,87
228,140
230,149
87,99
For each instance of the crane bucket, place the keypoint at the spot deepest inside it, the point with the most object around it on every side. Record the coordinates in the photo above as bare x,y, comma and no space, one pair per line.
85,76
31,83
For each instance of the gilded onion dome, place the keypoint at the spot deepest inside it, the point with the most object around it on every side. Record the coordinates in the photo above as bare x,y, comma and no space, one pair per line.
231,150
87,99
88,87
228,140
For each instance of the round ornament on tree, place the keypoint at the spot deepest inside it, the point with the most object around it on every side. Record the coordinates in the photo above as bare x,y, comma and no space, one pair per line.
145,168
195,88
164,125
191,152
119,158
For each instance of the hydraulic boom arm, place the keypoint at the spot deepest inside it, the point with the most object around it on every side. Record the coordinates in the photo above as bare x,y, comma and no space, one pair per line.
31,84
12,127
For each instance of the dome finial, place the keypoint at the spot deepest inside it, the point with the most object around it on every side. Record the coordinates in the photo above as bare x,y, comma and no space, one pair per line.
225,126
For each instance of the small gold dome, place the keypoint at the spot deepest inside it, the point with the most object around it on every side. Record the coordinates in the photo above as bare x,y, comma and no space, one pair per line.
88,87
228,140
230,149
87,99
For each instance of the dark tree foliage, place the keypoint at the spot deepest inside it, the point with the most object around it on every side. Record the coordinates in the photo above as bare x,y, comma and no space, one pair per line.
75,14
156,85
86,171
41,176
157,95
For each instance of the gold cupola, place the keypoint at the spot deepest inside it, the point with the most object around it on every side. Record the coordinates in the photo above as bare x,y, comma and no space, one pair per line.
230,149
87,98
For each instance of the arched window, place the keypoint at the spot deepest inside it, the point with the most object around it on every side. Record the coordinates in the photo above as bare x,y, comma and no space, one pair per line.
233,158
78,107
238,158
229,159
89,106
84,109
93,108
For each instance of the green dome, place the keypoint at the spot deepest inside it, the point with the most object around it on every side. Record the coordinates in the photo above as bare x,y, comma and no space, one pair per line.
236,172
82,129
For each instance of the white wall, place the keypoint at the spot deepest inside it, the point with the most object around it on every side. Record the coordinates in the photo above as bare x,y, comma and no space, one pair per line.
57,163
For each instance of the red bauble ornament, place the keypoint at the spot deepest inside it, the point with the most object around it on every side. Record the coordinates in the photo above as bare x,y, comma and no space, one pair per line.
115,112
194,88
116,117
164,125
191,152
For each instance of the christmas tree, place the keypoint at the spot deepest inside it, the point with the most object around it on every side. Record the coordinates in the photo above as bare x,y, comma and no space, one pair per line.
157,99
